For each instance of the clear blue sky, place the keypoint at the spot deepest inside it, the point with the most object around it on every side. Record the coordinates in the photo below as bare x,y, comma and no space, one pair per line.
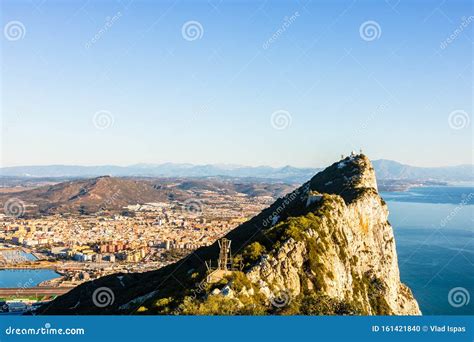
210,100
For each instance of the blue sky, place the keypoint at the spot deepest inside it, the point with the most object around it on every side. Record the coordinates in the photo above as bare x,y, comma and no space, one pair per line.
403,94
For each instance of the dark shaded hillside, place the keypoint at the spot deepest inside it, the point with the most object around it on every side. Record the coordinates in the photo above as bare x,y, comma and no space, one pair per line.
248,187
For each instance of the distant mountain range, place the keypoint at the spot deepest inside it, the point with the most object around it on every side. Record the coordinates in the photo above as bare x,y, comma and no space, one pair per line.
286,173
385,169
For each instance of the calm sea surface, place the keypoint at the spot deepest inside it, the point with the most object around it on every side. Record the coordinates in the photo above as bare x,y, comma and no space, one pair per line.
23,278
434,232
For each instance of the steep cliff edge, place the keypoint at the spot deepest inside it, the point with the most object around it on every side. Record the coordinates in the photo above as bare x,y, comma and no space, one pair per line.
325,248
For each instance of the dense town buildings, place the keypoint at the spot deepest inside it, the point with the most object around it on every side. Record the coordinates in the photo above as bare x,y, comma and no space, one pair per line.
139,238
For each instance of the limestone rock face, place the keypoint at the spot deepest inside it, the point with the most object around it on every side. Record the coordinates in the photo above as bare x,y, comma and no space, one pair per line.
357,257
280,269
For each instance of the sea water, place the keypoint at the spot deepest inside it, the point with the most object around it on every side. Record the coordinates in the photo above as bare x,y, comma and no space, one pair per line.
434,232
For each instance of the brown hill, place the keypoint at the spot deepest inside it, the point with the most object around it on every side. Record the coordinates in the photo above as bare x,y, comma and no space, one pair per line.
92,195
112,193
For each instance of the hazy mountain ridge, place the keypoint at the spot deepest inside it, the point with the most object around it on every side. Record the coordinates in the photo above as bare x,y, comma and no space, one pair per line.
389,169
161,170
385,169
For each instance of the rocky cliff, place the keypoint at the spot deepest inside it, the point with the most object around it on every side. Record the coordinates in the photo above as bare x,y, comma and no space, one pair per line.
326,248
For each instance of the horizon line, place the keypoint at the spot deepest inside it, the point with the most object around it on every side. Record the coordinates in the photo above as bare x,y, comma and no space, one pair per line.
218,165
